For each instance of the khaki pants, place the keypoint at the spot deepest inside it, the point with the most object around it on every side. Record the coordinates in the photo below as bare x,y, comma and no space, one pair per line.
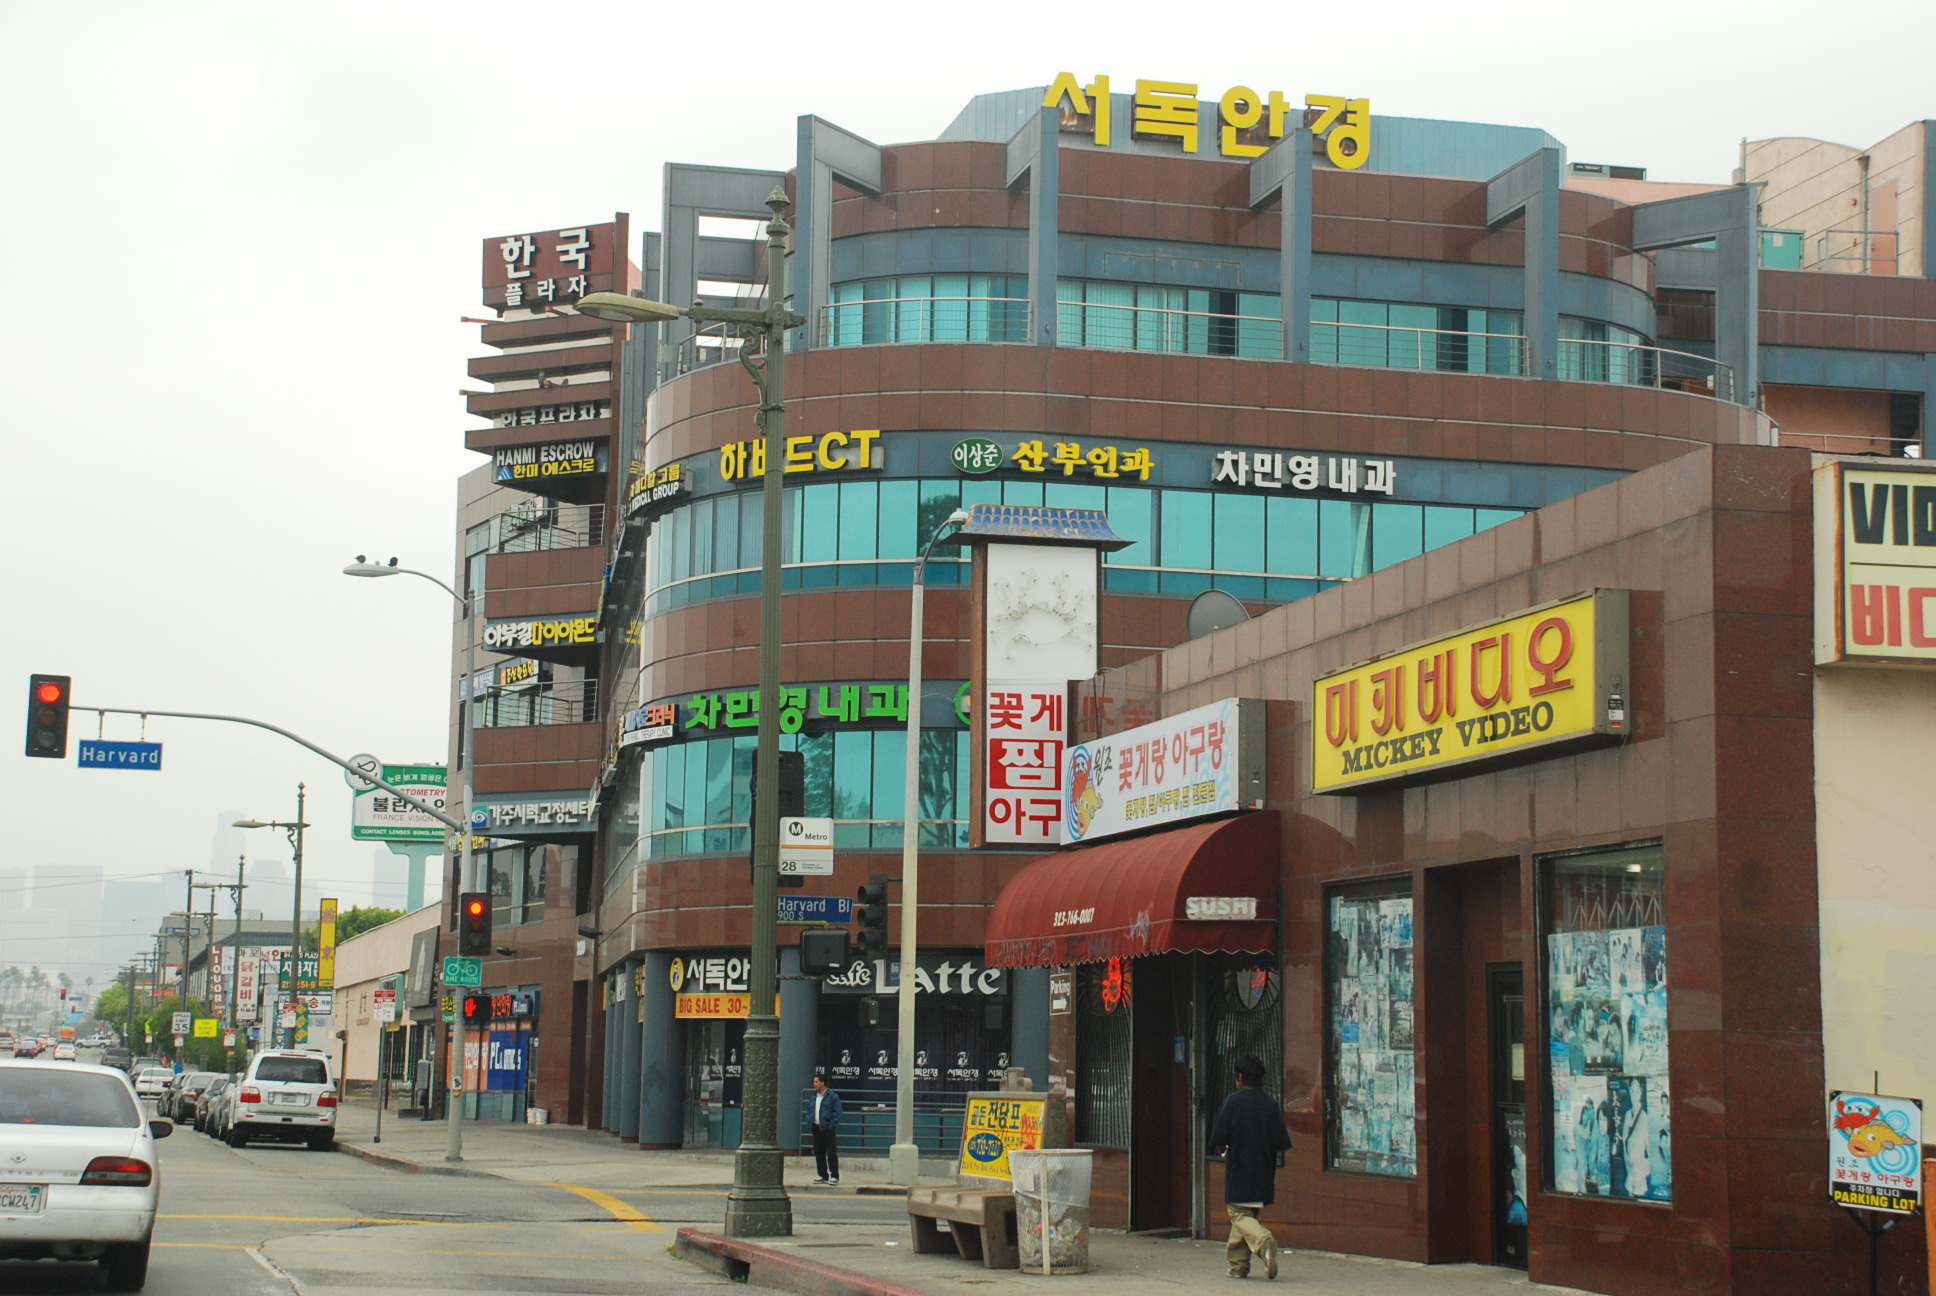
1248,1236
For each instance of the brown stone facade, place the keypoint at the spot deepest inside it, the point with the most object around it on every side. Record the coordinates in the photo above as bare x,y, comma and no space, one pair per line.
1715,549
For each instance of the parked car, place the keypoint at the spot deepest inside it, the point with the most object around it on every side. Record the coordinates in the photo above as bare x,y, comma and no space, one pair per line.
285,1095
84,1179
150,1081
211,1095
188,1095
144,1060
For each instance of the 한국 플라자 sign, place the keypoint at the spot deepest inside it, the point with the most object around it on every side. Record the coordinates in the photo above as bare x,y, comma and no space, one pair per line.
1548,675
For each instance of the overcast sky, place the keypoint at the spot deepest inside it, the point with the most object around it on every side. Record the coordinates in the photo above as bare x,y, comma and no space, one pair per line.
236,241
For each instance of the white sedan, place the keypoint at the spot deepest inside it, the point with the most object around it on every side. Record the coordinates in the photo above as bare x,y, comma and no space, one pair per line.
150,1081
80,1180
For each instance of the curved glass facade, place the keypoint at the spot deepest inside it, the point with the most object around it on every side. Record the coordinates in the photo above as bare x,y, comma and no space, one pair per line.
696,797
1183,542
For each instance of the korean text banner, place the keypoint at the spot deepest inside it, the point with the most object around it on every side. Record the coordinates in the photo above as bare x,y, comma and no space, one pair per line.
1184,767
1548,675
996,1127
1875,565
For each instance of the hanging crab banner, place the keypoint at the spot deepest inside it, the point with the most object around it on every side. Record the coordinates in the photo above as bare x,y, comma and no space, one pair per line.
1875,1152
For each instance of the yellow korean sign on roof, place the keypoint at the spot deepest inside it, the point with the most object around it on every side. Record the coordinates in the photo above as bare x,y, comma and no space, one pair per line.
1553,674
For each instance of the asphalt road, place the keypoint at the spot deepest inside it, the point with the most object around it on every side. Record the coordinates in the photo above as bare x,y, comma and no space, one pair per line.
270,1221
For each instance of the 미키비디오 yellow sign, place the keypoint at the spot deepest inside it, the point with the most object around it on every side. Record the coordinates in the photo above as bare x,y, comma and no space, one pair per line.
1548,675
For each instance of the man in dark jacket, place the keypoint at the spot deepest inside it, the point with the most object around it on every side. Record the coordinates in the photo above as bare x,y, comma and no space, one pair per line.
1251,1125
824,1118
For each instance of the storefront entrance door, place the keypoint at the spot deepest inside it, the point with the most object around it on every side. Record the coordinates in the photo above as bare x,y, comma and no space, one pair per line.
1160,1155
1506,1012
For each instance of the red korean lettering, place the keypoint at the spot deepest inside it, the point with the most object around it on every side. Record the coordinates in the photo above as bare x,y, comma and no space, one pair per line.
1501,646
1341,713
1438,685
1388,700
1548,668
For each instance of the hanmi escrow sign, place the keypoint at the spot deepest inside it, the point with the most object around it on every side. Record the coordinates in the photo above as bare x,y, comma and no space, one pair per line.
1548,675
1875,563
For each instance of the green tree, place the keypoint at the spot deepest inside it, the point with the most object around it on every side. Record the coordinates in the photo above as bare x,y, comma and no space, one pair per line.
111,1006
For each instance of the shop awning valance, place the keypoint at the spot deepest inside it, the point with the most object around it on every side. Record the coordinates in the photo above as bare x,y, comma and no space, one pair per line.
1209,887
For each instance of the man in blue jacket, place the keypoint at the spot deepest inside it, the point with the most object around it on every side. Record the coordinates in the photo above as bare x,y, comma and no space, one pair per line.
825,1118
1251,1125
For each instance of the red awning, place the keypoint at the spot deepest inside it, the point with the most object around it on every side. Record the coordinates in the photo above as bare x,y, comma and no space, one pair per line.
1182,890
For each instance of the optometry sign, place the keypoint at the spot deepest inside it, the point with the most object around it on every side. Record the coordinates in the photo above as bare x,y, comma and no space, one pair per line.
1875,564
1243,125
1550,675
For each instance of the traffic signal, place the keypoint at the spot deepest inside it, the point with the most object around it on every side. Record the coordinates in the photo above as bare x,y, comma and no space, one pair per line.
870,915
47,702
474,924
474,1006
793,799
823,951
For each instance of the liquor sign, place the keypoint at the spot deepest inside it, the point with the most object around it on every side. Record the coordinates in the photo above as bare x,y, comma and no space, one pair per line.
1875,564
1553,674
377,815
1209,760
1026,728
1875,1160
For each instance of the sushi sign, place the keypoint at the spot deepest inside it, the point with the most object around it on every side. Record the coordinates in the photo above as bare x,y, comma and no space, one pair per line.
1875,1152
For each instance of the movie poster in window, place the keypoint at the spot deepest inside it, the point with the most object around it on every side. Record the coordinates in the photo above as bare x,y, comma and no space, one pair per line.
1372,1033
1607,1056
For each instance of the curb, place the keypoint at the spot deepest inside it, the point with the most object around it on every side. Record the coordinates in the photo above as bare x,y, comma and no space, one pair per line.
404,1165
767,1267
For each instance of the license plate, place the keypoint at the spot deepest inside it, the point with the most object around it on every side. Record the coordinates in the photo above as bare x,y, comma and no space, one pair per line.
22,1199
292,1100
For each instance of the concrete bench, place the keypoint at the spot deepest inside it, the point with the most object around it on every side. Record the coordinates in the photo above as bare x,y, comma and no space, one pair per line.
981,1223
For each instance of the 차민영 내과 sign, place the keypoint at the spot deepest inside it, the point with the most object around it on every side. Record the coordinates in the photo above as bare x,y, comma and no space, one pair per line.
1549,675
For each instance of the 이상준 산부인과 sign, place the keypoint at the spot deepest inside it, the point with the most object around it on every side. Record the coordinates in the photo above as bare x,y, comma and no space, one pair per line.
1548,675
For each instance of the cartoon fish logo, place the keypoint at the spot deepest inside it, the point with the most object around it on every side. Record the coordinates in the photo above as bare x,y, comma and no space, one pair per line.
1876,1137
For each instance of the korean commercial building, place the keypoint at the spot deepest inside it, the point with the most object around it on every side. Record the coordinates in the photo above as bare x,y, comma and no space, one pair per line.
1515,465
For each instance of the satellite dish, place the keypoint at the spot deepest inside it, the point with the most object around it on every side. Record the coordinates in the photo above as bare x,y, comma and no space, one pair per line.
1214,609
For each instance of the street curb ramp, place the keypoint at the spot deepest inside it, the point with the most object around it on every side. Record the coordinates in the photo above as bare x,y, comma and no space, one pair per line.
769,1267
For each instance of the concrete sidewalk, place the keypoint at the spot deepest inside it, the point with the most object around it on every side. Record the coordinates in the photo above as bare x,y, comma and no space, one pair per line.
868,1258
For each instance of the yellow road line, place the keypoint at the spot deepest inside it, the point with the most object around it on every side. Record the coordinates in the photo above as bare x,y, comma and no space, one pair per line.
632,1215
348,1219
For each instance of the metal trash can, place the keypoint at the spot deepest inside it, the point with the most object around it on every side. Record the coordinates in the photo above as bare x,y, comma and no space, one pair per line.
1052,1205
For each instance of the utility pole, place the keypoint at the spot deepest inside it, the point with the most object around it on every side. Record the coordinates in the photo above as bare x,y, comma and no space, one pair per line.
235,938
188,935
128,1039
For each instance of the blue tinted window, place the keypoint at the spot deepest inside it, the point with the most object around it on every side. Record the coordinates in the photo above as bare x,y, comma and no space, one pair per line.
899,514
1397,534
1485,519
1343,538
1022,492
726,555
1129,517
719,792
1291,536
1186,529
1239,533
1445,524
859,519
890,783
853,786
820,523
702,537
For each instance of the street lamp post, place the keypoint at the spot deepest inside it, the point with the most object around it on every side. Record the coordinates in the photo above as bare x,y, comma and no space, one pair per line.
904,1158
466,868
758,1205
291,965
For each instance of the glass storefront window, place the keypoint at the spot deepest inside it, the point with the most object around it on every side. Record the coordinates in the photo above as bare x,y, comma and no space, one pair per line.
1606,1012
1369,1030
1104,1003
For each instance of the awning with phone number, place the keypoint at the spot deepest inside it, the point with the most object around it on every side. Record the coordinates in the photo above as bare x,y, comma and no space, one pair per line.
1211,887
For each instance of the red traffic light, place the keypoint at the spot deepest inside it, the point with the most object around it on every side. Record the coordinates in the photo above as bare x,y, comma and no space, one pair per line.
475,907
50,692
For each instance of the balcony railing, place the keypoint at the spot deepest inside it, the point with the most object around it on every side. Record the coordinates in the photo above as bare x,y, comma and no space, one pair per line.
712,344
543,525
889,320
546,703
1585,360
1393,346
1855,250
1109,327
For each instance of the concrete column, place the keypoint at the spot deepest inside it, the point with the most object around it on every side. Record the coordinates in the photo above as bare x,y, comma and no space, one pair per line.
1028,1018
627,1098
609,1107
1045,210
661,1107
1542,283
799,1043
1737,295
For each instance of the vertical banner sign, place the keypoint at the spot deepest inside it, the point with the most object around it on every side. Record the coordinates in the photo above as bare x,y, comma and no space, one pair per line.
326,946
247,985
1875,564
1875,1160
1025,723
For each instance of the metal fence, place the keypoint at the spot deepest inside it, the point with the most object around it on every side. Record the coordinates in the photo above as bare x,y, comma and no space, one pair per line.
1110,327
867,1127
890,320
1583,360
542,525
542,703
1393,346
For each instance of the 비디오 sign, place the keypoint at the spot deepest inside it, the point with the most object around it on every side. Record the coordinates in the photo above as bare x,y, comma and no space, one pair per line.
1549,675
1875,564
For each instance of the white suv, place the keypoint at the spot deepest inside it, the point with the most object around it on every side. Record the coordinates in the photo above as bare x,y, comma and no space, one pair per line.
286,1094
